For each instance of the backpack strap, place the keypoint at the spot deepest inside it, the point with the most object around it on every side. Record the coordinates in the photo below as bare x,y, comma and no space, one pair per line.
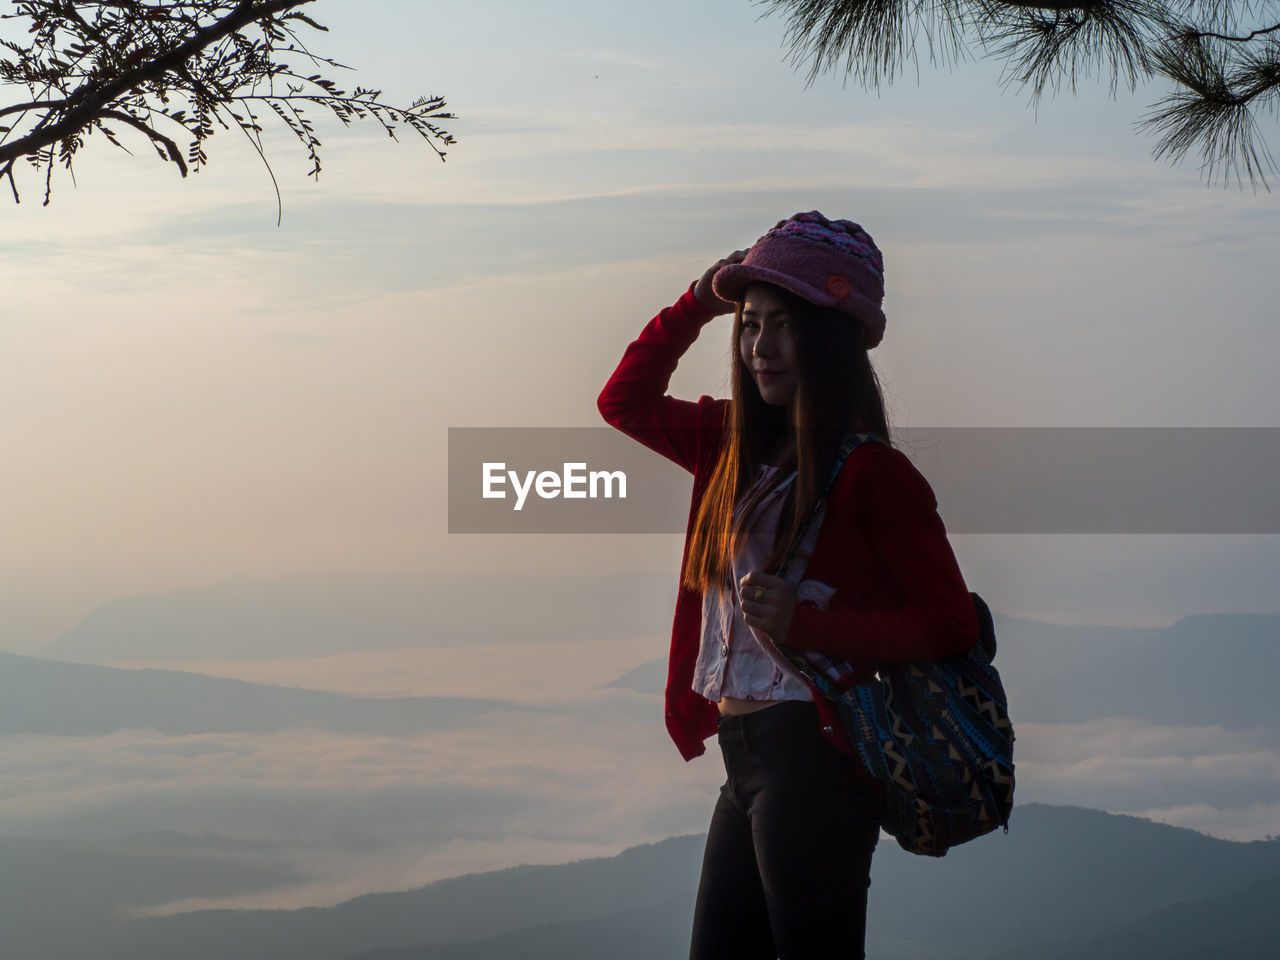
851,443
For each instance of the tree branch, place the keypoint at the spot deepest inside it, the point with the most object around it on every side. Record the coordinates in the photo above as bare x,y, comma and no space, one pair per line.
174,153
1218,36
33,105
7,171
1057,6
88,101
195,63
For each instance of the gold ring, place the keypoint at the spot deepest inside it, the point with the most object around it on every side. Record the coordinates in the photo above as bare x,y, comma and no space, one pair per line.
759,597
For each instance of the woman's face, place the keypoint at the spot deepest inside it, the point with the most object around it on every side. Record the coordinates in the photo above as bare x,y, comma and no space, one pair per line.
767,346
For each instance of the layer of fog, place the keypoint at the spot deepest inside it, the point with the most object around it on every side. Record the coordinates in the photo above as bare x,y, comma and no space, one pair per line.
595,775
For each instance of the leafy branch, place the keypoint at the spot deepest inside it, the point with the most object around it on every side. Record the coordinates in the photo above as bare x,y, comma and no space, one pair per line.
177,71
1224,71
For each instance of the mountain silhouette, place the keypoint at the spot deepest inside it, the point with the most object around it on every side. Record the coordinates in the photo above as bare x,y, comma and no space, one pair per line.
74,699
303,616
1201,670
1063,882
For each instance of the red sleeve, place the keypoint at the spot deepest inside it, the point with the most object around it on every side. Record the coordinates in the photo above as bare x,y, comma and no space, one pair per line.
885,512
635,401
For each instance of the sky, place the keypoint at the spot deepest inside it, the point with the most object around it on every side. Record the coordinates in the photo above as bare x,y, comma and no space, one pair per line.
191,394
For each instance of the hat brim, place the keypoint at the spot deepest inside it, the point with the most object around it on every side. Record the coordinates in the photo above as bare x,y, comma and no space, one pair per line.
731,281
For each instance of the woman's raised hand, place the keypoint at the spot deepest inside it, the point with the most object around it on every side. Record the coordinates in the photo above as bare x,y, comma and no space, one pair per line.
702,289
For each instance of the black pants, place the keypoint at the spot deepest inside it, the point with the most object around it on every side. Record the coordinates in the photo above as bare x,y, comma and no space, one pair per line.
788,857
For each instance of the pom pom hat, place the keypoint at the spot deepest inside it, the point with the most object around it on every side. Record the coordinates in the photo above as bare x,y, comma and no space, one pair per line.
831,263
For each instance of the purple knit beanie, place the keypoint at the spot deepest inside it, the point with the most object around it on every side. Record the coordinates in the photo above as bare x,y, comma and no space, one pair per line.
831,263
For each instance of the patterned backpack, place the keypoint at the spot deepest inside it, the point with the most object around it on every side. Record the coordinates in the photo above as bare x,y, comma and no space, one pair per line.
935,734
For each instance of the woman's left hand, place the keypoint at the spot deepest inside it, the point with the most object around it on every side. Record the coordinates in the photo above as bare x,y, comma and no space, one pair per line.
767,604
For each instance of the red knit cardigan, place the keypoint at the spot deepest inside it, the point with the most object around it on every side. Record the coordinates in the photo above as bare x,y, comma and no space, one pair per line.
898,594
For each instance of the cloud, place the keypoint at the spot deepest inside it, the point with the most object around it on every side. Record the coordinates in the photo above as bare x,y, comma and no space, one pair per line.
588,778
620,57
366,813
580,155
1129,765
1142,580
342,876
503,670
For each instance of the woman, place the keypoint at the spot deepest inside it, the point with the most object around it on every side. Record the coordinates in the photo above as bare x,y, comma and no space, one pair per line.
859,576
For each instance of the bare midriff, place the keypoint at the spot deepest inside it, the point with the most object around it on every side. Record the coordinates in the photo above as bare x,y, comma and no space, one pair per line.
733,707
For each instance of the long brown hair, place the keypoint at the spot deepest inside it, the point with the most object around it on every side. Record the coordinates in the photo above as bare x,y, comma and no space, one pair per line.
836,391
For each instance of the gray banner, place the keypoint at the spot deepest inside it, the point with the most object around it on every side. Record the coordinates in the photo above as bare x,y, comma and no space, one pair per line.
987,480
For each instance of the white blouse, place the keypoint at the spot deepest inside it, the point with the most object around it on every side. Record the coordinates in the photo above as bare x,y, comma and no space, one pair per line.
735,660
